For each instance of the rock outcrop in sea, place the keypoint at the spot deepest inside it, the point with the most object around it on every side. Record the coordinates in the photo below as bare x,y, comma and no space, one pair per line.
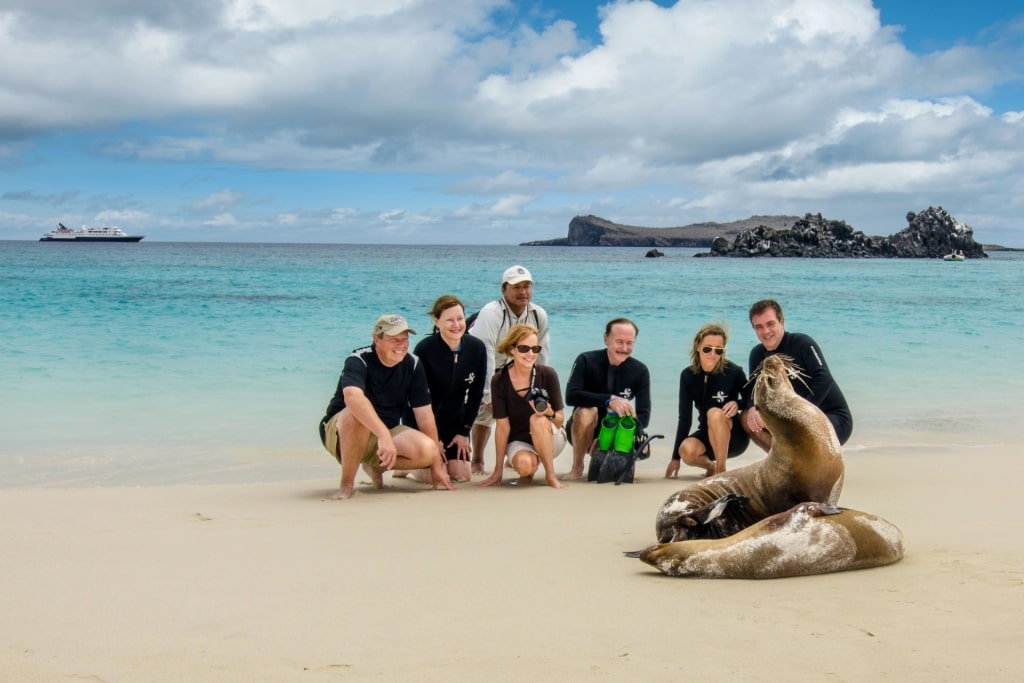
593,231
932,233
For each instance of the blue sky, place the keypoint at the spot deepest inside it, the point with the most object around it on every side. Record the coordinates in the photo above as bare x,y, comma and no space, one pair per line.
487,121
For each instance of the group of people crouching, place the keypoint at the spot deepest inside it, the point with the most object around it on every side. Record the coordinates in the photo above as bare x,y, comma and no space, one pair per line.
429,414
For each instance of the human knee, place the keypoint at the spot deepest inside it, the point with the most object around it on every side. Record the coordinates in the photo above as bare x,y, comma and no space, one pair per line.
691,451
583,422
717,418
540,425
524,463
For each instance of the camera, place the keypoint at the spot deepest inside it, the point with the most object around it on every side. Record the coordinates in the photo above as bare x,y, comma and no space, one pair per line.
539,396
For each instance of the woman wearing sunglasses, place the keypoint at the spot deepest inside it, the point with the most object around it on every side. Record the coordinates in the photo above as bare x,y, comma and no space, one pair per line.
528,411
716,387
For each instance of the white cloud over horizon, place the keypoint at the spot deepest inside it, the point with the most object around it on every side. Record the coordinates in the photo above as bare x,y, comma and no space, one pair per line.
453,121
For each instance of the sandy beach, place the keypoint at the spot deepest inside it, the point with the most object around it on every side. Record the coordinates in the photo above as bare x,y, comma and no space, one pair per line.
276,582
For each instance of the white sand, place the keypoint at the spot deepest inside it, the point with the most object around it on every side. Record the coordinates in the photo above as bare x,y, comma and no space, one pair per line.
273,582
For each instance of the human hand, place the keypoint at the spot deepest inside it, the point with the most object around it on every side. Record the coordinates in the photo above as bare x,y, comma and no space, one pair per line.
440,477
753,419
672,471
494,479
621,406
731,409
461,444
387,453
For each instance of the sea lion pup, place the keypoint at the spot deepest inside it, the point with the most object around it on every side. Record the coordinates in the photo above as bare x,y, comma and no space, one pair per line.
804,464
811,538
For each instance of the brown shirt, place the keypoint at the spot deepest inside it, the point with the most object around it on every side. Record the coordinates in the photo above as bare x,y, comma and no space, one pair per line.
510,401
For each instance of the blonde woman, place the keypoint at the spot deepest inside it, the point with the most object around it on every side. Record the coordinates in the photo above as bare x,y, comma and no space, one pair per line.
716,387
528,410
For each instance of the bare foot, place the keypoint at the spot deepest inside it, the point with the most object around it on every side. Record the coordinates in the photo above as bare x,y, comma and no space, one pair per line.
478,468
344,493
376,476
709,471
572,475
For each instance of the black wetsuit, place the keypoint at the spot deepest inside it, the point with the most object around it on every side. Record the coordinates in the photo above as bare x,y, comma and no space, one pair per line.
456,380
390,390
706,390
820,388
593,380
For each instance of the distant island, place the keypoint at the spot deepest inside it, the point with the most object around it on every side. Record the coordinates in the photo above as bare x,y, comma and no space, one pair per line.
932,233
593,231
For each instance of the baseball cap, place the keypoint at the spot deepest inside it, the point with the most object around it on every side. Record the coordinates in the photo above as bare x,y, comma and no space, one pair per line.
515,275
391,324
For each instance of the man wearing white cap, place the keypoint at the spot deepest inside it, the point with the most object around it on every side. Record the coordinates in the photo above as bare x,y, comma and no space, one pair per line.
492,323
362,424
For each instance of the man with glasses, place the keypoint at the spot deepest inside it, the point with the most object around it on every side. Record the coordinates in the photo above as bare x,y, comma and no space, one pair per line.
362,427
491,325
814,382
602,381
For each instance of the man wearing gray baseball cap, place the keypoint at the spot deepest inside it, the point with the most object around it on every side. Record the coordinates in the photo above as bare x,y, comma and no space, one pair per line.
362,424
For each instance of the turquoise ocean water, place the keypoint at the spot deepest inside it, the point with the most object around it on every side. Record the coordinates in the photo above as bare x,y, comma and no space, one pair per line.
187,363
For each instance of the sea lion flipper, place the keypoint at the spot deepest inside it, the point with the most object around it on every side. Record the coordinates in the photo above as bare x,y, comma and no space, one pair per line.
717,508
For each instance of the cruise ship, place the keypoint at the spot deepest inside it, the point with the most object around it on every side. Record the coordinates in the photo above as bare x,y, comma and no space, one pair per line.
87,234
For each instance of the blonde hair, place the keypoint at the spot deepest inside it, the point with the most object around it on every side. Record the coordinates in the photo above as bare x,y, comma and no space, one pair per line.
698,341
517,334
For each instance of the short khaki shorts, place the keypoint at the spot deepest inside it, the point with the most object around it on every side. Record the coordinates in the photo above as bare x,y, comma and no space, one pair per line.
484,416
558,441
370,456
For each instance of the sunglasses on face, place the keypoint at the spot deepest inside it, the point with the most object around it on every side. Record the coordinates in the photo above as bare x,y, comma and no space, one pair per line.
523,348
719,350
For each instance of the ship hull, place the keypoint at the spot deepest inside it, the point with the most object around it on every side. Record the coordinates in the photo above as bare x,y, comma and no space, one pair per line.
128,238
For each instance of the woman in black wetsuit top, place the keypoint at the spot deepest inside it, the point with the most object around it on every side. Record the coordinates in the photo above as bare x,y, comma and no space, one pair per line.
456,365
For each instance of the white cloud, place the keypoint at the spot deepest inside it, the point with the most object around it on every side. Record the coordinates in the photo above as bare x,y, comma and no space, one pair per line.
122,216
219,200
699,111
221,220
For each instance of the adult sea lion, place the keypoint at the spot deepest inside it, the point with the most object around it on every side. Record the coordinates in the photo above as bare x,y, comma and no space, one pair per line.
805,464
810,538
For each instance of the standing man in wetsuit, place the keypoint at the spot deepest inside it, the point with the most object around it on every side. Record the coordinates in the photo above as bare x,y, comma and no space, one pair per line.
492,323
817,386
602,381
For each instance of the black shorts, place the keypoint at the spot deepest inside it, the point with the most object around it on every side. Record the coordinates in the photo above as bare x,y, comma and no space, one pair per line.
738,439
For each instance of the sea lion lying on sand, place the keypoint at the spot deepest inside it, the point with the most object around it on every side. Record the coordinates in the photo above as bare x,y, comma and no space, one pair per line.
810,538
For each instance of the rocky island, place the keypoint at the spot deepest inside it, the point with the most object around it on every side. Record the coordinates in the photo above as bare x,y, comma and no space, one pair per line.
592,231
932,233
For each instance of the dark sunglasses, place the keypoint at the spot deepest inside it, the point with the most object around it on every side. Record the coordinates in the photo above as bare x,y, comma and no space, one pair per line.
523,348
719,350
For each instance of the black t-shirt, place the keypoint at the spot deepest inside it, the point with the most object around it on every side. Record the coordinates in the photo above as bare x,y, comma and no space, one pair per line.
390,389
